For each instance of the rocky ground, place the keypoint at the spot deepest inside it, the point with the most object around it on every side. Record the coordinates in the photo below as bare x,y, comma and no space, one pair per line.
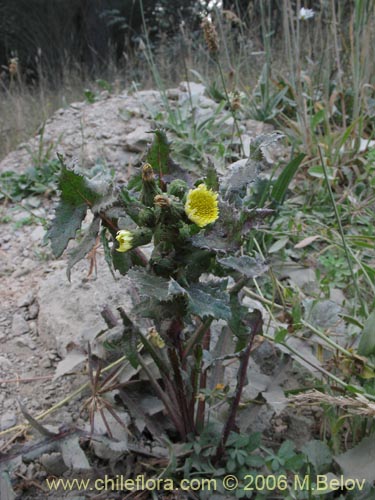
43,317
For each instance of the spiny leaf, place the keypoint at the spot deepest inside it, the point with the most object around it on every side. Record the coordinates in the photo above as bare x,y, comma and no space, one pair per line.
209,300
248,266
122,261
224,235
261,142
77,194
87,243
204,299
148,284
234,183
158,155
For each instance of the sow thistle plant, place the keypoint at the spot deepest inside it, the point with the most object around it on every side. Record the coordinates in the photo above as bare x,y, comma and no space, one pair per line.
194,275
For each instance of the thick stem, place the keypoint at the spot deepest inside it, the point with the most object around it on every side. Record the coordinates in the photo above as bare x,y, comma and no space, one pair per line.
180,392
202,385
241,379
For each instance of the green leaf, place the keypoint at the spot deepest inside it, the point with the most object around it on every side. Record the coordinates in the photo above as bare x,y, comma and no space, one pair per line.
278,245
149,285
318,453
158,155
122,261
204,299
87,243
234,183
68,219
261,142
366,345
318,118
212,179
317,171
248,266
255,461
209,300
77,194
282,183
237,322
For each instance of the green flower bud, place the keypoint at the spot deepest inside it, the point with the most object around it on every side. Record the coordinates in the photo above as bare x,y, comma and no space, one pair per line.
149,187
146,217
178,188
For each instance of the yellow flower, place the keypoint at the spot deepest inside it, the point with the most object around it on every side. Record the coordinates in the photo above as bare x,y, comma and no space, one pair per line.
201,206
125,239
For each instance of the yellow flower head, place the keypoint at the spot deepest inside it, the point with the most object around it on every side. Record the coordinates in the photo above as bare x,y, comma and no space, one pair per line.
125,239
201,206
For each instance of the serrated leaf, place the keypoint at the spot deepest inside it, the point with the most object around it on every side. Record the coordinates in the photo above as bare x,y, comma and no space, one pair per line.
77,194
366,345
281,185
158,155
209,300
122,261
261,142
224,235
248,266
84,247
235,182
148,284
204,299
68,219
212,179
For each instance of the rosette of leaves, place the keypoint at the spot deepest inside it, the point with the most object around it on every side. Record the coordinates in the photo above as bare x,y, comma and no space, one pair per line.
197,232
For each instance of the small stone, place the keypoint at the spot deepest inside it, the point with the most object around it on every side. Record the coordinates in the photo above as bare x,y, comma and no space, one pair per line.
26,299
7,420
138,139
4,362
33,311
19,325
33,328
26,342
38,234
46,363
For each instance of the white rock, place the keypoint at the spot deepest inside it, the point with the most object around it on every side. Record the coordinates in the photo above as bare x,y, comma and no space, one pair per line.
19,325
70,312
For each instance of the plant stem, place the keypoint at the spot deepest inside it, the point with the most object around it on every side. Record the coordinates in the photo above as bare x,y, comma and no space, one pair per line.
241,379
